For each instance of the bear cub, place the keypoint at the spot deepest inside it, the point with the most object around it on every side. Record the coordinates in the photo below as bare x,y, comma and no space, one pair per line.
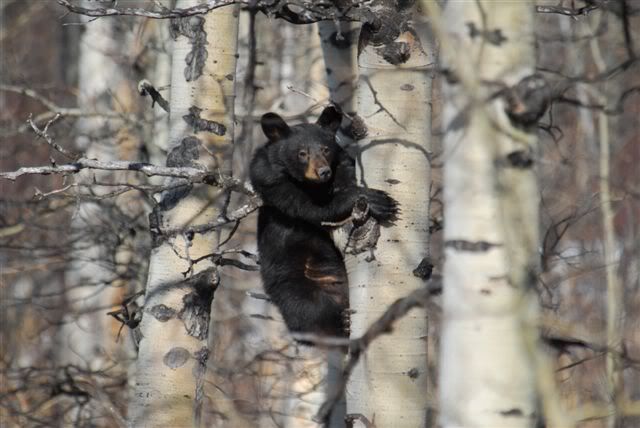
305,179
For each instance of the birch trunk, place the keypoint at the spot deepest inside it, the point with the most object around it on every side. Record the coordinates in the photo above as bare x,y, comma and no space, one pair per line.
172,361
389,384
340,59
101,254
338,42
487,362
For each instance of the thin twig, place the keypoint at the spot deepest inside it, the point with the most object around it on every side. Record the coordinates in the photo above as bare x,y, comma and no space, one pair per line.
383,325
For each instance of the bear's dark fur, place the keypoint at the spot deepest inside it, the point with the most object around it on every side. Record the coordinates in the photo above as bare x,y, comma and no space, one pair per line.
304,179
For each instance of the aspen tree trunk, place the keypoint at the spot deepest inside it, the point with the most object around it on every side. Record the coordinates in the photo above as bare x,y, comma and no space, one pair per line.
104,260
85,340
487,361
295,68
161,79
338,42
91,277
340,58
172,361
389,384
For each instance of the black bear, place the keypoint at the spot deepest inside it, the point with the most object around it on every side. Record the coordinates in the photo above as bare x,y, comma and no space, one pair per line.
306,179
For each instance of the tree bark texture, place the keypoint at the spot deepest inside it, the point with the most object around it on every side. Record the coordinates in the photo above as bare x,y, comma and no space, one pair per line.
487,361
389,385
174,350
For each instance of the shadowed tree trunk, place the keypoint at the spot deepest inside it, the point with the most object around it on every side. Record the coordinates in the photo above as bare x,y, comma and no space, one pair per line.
172,361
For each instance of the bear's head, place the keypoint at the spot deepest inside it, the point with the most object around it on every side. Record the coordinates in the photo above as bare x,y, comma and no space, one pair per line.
307,151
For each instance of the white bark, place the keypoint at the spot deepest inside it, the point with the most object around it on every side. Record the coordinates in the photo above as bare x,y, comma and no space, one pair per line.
86,338
173,355
389,384
615,289
338,41
487,361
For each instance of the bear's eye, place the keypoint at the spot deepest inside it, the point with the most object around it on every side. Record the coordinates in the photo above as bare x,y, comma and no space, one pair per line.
326,150
302,154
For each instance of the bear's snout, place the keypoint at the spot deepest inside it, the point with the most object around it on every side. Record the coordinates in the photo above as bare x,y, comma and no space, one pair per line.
324,173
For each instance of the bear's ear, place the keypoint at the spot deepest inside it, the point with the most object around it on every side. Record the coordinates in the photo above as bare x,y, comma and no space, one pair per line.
274,127
330,118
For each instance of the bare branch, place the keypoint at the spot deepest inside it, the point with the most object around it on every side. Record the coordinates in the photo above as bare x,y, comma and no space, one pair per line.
146,88
43,134
568,11
132,11
238,214
295,12
54,109
193,174
382,325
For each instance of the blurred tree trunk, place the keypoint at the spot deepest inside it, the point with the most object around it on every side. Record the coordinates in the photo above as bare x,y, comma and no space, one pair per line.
389,385
615,288
104,262
172,362
488,357
95,268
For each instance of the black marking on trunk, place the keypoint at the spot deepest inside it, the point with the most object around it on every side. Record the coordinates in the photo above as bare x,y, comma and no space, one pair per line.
196,305
154,227
192,27
469,246
407,87
183,154
176,357
520,159
424,269
198,124
414,373
528,100
395,53
162,312
341,40
435,224
199,371
515,412
495,37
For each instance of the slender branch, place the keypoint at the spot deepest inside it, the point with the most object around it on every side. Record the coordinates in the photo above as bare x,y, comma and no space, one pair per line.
55,110
382,325
235,215
568,11
307,11
43,134
146,88
133,11
193,174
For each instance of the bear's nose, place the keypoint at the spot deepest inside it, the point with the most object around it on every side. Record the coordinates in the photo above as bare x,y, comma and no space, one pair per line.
324,172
